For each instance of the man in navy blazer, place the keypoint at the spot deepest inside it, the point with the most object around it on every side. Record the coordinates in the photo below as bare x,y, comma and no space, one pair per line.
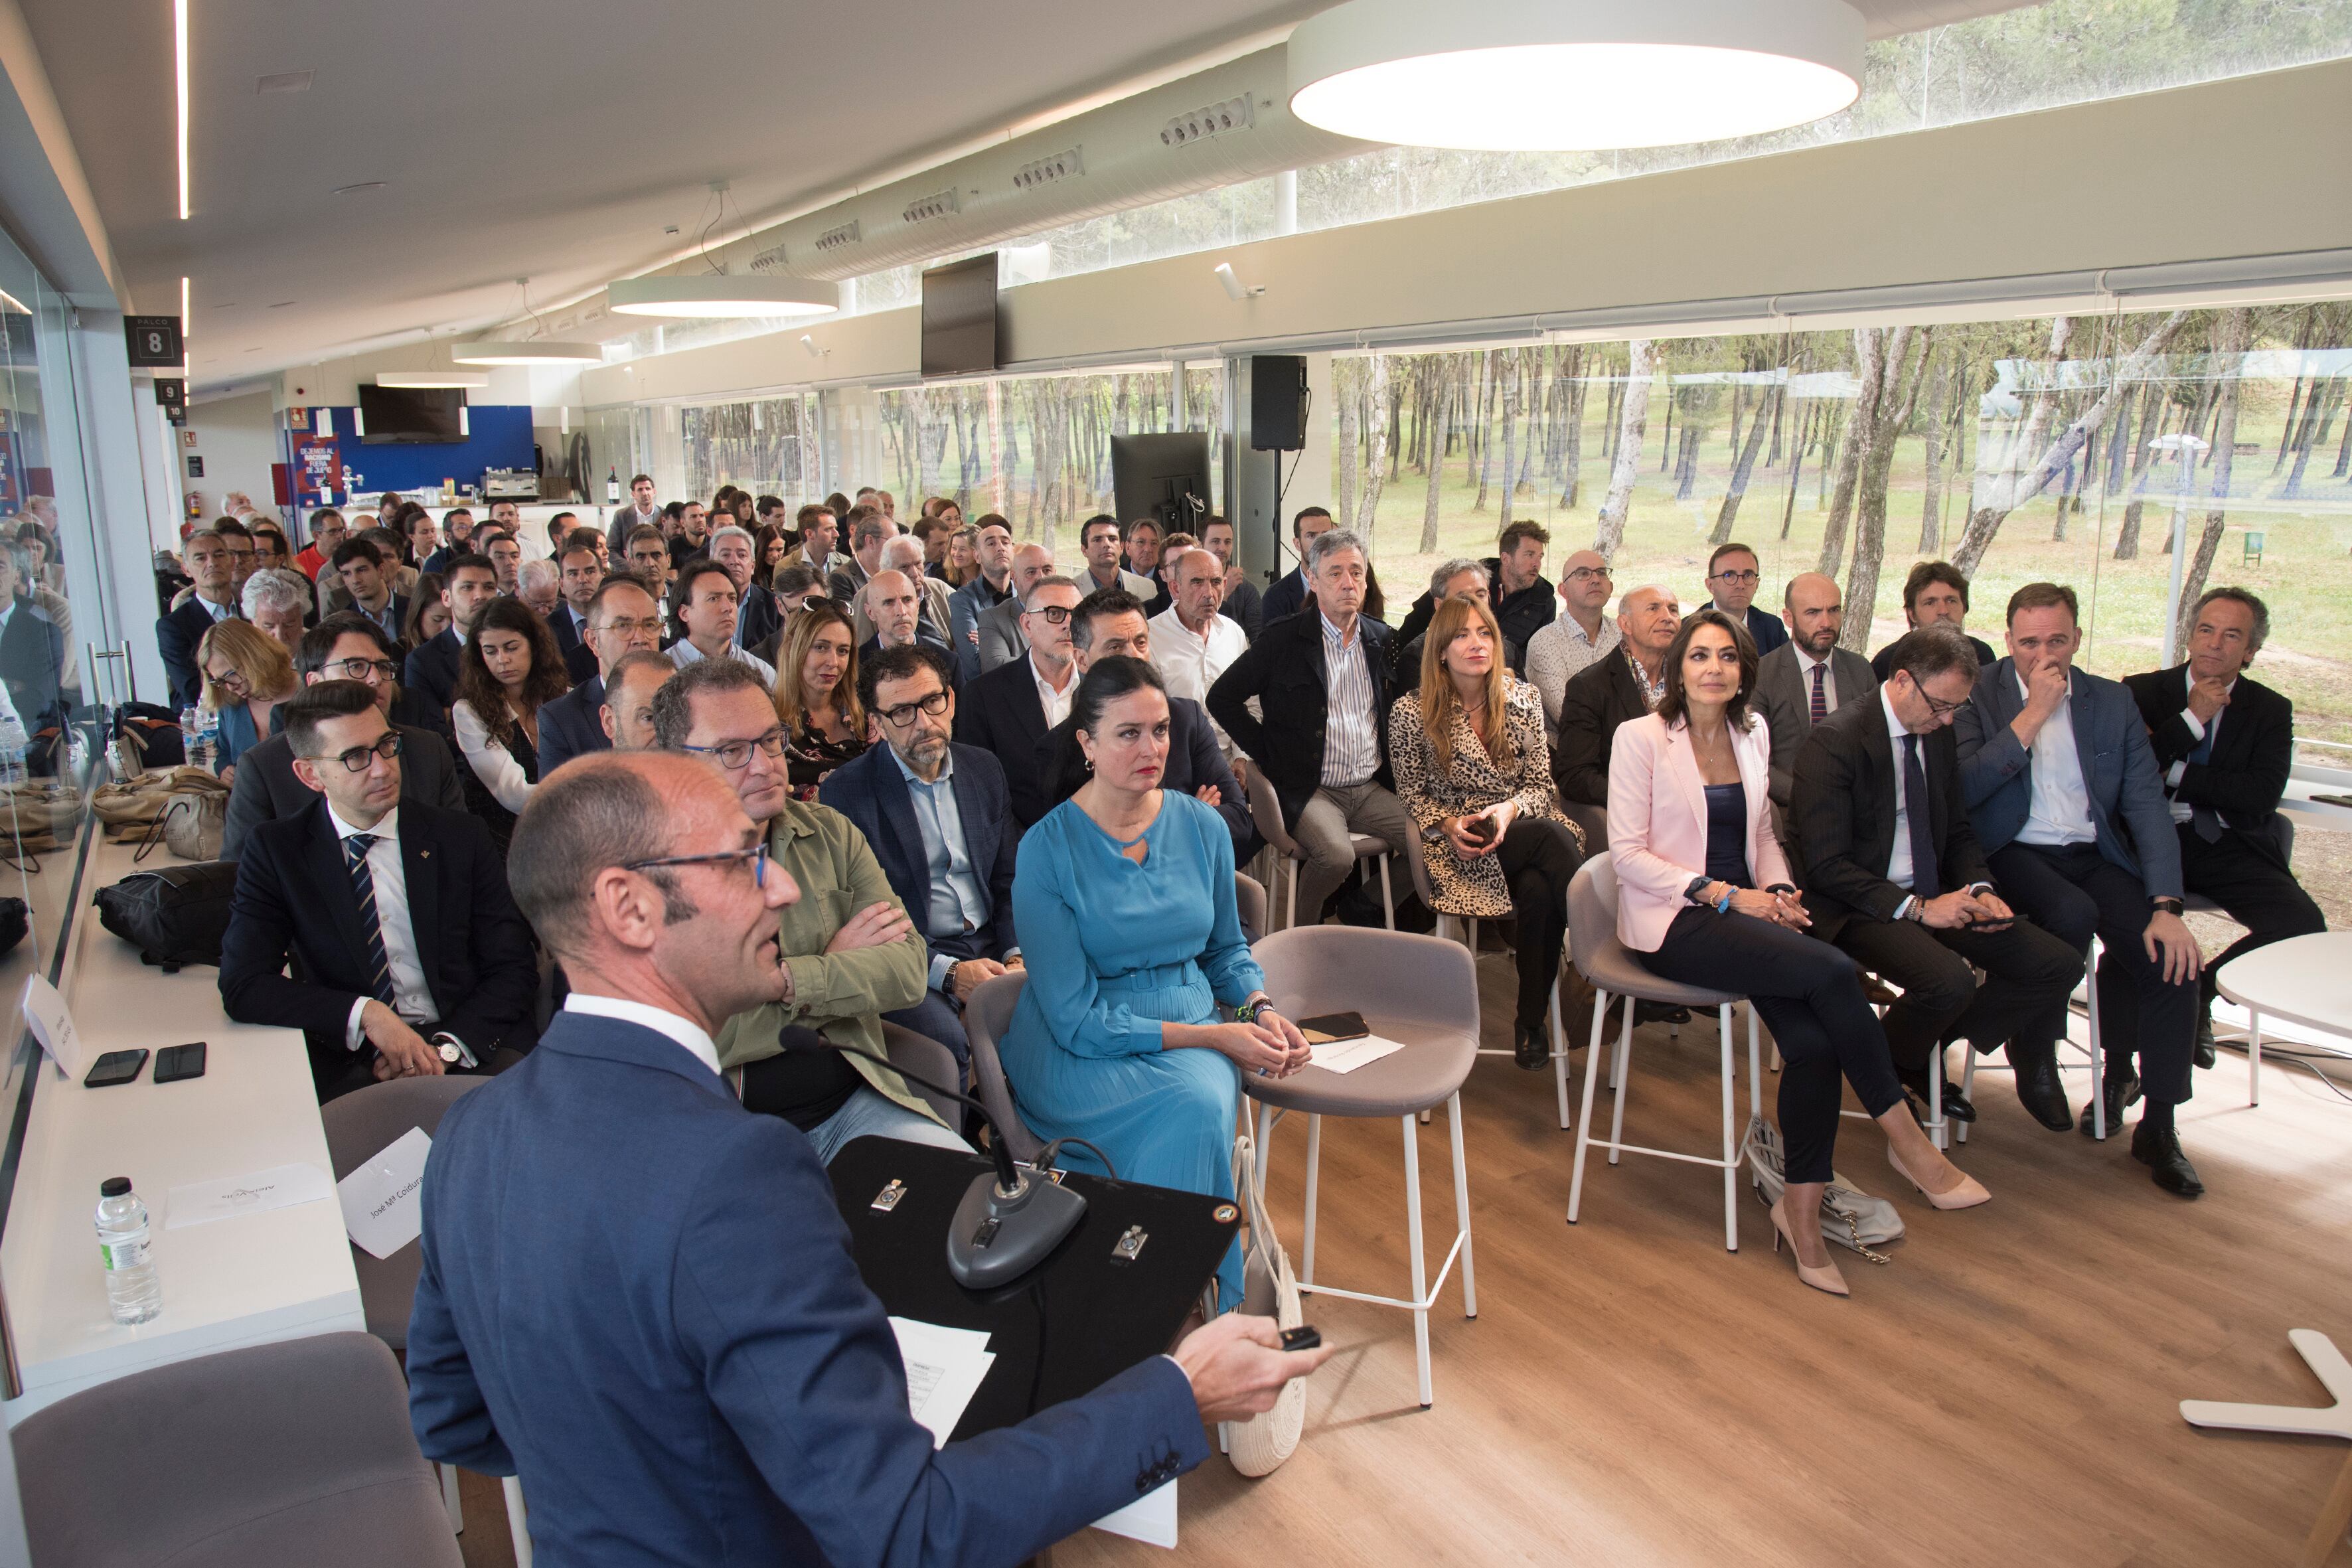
1733,575
2064,792
178,633
622,619
940,819
394,914
1293,593
1004,713
468,587
639,1296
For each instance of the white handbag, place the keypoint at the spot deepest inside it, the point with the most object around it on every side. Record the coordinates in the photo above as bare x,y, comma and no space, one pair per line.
1849,1216
1269,1289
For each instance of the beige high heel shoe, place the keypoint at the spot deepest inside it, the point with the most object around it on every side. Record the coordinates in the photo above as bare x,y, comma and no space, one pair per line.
1967,1195
1826,1278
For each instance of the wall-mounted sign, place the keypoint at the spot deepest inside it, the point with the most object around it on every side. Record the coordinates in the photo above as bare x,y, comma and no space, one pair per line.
171,393
298,419
155,342
195,467
187,437
320,462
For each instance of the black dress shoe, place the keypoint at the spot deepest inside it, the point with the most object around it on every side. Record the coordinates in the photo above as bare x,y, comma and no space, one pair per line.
1660,1012
1529,1047
2122,1089
2160,1153
2206,1055
1915,1089
2038,1086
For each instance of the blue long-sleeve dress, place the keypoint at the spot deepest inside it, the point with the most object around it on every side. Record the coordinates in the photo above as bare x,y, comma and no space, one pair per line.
1114,950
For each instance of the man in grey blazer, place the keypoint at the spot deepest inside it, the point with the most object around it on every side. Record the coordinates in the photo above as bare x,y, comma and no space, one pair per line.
999,630
1808,677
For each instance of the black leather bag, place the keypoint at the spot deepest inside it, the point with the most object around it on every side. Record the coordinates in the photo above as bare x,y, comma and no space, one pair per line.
174,915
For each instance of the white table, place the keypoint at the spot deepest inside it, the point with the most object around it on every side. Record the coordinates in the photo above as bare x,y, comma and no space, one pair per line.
251,1280
2304,979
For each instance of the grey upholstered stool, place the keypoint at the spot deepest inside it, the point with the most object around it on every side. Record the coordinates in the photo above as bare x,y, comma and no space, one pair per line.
364,1122
1414,989
1266,810
1615,972
292,1454
925,1058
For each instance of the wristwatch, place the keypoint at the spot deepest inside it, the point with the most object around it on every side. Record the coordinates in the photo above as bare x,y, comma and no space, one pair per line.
947,981
452,1050
2167,906
1247,1011
1696,892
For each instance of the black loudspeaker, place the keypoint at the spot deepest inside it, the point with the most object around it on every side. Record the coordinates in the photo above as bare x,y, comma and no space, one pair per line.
1277,403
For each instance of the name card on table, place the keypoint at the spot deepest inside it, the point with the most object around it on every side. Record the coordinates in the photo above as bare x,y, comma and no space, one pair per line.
52,1026
281,1186
384,1200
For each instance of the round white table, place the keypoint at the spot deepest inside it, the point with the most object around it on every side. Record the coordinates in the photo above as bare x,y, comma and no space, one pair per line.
2305,979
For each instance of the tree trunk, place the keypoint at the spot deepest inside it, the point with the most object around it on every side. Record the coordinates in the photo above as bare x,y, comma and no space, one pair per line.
1511,391
1634,417
1395,423
1897,400
1871,370
1796,473
1931,489
1376,408
2232,332
1742,468
2152,412
1436,476
2324,394
1666,437
1350,400
1571,460
1534,362
1833,423
1490,394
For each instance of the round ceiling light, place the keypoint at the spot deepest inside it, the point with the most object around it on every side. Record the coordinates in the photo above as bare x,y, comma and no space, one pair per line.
476,379
715,294
493,352
1573,75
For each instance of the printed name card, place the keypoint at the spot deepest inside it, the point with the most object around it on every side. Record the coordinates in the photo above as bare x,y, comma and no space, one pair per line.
383,1199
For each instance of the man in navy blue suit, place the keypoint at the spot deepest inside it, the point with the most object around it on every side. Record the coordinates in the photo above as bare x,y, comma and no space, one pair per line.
1007,711
622,619
177,634
639,1296
468,586
1733,576
1289,596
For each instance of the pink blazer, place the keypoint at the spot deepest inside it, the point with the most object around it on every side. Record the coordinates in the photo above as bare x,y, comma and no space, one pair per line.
1657,822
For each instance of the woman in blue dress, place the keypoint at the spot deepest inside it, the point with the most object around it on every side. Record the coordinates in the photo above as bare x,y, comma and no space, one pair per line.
1123,896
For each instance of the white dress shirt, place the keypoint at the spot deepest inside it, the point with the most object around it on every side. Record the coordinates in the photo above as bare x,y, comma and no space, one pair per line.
1806,664
684,1030
491,762
682,652
2061,812
2181,810
1351,736
1055,703
411,997
1189,663
1898,863
1558,652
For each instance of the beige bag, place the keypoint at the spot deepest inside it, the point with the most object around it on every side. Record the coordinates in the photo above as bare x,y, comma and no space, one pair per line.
1270,1290
131,809
193,822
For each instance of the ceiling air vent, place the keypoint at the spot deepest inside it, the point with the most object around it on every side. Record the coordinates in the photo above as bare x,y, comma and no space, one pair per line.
929,208
1215,120
833,239
1043,171
769,260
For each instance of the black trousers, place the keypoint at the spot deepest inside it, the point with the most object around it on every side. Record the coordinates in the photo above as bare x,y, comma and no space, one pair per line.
1539,858
1811,995
2073,892
2028,974
2251,887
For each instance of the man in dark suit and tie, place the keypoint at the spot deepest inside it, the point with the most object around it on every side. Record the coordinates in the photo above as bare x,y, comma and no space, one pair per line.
343,647
622,619
1893,876
639,1295
1007,712
2225,743
580,571
1808,677
1732,579
209,562
467,590
998,630
940,819
2065,793
1292,593
1618,687
409,957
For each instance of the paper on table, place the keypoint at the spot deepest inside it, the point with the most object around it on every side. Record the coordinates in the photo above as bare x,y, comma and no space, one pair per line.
1151,1519
944,1370
52,1026
1346,1056
201,1203
384,1200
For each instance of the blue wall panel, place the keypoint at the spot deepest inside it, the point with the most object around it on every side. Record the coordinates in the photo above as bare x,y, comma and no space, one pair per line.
500,438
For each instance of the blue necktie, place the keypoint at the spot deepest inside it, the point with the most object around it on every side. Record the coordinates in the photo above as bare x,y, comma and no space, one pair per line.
1926,883
355,852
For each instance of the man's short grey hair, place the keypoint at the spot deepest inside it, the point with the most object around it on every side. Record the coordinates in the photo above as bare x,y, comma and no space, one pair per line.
1450,571
1330,543
732,531
1030,602
541,573
904,551
674,703
582,819
2255,607
277,589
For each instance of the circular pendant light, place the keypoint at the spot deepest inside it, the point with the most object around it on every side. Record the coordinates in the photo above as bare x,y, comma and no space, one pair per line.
476,379
1573,75
488,351
715,294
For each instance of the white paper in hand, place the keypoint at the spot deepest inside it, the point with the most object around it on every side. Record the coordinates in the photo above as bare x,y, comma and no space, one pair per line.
52,1026
383,1199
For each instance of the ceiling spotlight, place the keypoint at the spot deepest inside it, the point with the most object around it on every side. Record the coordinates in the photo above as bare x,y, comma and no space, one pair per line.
1235,288
426,378
716,294
1574,75
529,351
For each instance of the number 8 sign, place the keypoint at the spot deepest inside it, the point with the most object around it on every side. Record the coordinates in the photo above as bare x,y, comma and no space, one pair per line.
154,341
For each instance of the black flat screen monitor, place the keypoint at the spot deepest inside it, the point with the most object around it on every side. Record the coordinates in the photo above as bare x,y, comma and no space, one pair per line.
412,414
1164,478
960,317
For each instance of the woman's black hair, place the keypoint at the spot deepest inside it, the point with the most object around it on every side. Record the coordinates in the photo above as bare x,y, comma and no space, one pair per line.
1110,679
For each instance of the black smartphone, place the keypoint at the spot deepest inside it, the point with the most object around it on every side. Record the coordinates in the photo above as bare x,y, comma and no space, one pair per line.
173,1063
1325,1027
115,1066
1302,1338
1479,830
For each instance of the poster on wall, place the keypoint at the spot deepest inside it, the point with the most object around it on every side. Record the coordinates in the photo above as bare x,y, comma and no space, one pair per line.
298,419
320,462
195,467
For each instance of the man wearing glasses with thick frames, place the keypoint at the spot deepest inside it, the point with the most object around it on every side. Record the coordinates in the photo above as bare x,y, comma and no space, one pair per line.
623,619
412,958
848,951
1732,578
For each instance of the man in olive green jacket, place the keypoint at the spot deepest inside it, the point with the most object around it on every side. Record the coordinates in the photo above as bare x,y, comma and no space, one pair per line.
846,945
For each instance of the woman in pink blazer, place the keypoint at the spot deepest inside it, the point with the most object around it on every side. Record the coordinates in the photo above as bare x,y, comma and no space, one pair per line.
1705,899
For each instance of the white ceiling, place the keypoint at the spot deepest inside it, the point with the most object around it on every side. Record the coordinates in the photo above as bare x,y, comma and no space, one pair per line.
554,141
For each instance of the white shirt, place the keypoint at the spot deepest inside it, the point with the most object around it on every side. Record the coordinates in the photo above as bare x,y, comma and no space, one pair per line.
685,1031
1898,863
2061,812
682,652
1560,651
1189,663
491,762
1055,703
1351,735
411,997
2181,810
1806,664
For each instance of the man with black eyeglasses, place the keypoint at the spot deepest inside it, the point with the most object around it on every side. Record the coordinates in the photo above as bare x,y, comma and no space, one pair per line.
1732,579
622,619
1579,637
840,976
413,961
343,647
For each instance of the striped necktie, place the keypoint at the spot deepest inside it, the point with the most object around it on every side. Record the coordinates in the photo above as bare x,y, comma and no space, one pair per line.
1820,706
355,852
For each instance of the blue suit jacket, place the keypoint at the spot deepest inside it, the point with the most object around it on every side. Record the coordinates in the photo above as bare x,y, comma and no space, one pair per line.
639,1296
872,793
433,668
572,726
2119,772
1767,629
176,636
965,606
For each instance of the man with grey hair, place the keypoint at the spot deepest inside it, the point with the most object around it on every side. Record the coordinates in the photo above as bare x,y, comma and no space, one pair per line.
904,552
1193,640
1578,637
208,561
2225,743
756,618
277,600
626,712
892,604
1461,578
1607,694
538,582
1322,684
998,630
866,528
1007,712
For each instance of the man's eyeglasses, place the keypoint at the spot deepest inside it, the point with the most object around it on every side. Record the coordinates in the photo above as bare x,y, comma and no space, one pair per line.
368,669
934,704
1939,707
757,855
736,755
1589,574
651,624
1055,615
357,759
1738,576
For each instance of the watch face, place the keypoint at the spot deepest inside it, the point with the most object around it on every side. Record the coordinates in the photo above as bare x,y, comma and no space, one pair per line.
449,1051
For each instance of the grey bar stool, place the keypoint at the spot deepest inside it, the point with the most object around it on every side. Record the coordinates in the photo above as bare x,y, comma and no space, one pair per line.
1416,990
1615,972
1266,810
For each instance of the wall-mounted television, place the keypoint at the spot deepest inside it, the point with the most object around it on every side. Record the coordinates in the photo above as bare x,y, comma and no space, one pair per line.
412,414
960,317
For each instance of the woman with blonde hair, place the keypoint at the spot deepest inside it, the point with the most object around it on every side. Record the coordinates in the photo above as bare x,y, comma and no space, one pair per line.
817,694
247,673
1474,775
963,556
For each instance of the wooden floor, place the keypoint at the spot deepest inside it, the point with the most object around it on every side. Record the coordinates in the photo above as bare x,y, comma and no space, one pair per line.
2004,1393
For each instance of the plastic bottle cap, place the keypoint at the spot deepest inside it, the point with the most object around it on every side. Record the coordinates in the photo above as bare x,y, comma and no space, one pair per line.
113,1186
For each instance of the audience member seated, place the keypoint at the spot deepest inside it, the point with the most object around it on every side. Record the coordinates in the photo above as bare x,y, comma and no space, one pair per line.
794,588
510,671
422,538
849,953
327,530
505,554
626,713
756,618
246,675
621,620
279,601
2064,793
938,818
1289,596
706,609
366,575
991,586
1473,773
539,585
1732,579
1320,739
1808,677
1007,712
1100,543
1001,640
428,612
646,553
582,573
340,647
1934,594
1705,899
816,696
1193,641
892,604
2225,743
1243,604
1614,691
1578,638
817,527
903,555
1461,578
1517,592
208,559
412,959
1116,1038
1894,877
37,666
867,528
1145,540
469,584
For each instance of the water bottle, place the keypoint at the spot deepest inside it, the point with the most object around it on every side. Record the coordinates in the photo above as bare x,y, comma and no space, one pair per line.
132,1289
208,738
192,727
